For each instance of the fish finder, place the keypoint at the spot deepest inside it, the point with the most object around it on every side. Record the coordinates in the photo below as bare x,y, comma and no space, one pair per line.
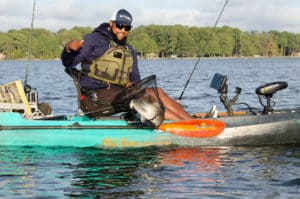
219,82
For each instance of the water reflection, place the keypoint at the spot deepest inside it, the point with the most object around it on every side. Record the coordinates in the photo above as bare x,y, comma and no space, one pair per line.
150,172
204,159
110,173
192,171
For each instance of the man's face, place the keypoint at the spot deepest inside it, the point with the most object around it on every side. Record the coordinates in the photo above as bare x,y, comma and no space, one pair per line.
120,30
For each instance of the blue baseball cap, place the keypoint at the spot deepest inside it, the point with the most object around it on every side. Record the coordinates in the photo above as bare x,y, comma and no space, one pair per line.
122,16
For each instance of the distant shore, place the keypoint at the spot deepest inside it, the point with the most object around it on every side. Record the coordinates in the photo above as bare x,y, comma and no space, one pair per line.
177,58
252,57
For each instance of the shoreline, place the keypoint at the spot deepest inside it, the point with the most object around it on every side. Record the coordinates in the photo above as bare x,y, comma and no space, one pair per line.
275,57
170,58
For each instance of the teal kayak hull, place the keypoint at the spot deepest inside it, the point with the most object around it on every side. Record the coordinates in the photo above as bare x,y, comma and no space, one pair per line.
78,132
283,128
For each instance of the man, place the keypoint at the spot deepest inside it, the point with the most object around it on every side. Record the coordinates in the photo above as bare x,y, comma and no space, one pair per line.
103,73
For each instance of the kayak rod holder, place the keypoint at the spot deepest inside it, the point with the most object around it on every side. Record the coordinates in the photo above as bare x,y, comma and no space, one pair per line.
228,103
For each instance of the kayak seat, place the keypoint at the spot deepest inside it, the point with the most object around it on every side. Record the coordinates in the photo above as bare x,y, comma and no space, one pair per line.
105,111
270,88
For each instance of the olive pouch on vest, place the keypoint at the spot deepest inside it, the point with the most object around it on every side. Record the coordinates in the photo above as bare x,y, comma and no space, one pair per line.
114,66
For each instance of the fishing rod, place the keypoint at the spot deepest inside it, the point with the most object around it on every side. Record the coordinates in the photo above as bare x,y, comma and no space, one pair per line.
194,68
27,88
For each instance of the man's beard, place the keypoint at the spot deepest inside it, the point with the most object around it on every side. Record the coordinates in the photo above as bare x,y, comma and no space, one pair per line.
120,42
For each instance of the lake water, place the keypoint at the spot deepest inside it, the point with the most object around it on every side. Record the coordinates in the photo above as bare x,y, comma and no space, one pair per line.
157,172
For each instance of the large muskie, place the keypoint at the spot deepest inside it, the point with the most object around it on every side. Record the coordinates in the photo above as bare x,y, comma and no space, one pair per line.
149,111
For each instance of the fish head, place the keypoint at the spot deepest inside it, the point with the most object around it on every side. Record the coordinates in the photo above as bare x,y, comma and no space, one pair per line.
150,111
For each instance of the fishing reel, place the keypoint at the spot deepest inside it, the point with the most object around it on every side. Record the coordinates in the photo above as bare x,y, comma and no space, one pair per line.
39,110
31,94
219,82
267,91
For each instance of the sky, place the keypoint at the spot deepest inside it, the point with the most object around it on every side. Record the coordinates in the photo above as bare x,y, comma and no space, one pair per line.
247,15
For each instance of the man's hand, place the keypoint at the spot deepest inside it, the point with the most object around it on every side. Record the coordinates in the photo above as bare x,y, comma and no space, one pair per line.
73,45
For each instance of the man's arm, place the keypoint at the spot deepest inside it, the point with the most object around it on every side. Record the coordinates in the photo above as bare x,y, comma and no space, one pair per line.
70,53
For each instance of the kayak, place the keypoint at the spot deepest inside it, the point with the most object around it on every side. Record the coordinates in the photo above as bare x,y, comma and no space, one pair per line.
26,122
281,127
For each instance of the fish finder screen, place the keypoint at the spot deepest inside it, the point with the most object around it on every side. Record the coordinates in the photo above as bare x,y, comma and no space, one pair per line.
218,81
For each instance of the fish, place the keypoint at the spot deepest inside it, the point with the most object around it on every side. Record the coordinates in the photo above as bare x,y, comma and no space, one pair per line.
149,110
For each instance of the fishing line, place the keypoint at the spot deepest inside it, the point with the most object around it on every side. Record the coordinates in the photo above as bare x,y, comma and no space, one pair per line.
29,50
210,35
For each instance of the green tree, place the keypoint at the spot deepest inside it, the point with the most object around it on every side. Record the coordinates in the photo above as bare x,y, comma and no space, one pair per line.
226,41
66,35
45,44
293,44
6,45
237,34
180,40
19,44
161,37
205,36
247,47
83,30
143,43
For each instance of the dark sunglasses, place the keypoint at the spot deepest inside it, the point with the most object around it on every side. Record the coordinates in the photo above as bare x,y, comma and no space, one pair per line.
121,26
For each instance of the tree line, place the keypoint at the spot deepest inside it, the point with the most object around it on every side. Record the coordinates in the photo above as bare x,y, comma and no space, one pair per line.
160,40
